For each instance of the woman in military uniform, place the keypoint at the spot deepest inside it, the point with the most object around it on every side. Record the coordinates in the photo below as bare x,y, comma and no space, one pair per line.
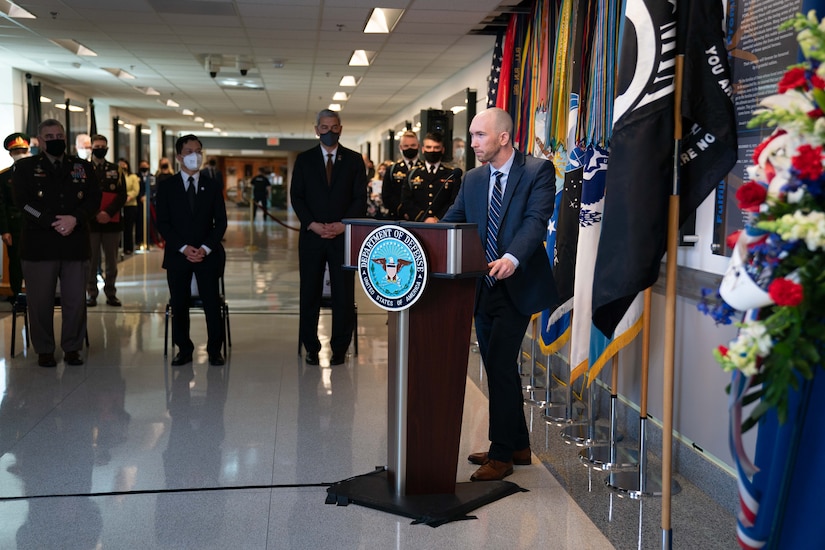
58,194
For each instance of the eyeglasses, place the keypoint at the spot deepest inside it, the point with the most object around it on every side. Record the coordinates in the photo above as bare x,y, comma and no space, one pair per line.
324,128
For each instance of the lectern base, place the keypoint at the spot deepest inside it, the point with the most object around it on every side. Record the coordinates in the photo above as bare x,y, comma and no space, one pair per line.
373,490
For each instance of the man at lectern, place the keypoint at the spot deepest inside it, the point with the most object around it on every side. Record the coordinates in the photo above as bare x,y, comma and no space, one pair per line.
510,198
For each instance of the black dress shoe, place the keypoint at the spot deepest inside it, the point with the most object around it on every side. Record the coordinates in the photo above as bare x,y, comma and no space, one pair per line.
338,359
73,358
181,359
312,358
91,302
216,359
113,301
46,360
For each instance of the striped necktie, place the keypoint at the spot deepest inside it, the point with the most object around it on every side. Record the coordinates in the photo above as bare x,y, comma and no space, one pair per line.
493,218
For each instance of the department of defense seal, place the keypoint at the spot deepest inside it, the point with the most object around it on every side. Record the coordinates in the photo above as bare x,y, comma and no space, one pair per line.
392,267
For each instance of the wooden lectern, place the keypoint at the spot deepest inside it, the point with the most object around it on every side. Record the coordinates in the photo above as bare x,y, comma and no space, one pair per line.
428,352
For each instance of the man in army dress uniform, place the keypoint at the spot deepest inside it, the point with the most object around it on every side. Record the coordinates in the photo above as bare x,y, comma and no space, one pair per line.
106,227
18,147
396,177
432,187
58,194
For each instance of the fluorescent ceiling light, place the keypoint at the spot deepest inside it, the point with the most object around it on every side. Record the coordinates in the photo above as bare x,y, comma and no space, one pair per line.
148,90
146,131
72,108
251,82
44,99
349,81
382,20
458,108
172,103
198,119
187,112
334,106
216,130
120,122
120,73
208,125
361,58
340,96
129,126
14,11
73,46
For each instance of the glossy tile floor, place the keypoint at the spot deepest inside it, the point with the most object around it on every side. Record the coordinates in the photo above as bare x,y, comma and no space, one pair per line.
129,452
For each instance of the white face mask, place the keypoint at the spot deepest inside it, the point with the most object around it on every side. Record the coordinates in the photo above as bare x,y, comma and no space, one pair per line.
83,153
193,161
18,156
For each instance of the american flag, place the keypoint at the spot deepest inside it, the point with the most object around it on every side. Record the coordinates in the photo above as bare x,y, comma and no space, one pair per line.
495,72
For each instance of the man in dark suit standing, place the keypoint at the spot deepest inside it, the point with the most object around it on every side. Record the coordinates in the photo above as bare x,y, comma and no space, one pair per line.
191,217
511,200
214,173
329,183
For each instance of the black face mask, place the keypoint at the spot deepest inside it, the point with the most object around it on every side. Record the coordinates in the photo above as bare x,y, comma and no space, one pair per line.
100,153
56,147
330,138
144,171
433,157
410,154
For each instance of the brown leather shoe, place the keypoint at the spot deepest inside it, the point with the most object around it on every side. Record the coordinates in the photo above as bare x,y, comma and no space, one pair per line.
522,457
493,470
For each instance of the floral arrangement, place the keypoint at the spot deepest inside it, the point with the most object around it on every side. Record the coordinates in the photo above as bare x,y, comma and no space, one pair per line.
783,245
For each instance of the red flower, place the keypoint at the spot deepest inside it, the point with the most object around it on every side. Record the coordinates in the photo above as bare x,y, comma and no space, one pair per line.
817,82
723,351
815,113
732,238
750,196
808,162
794,78
785,292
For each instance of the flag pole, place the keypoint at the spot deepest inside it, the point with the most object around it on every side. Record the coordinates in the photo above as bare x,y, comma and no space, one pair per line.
670,317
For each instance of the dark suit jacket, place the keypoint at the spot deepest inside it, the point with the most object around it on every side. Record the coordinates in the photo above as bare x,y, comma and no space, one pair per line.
179,226
525,210
315,201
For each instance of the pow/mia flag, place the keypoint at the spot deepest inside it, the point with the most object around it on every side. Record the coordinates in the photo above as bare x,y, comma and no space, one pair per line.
640,176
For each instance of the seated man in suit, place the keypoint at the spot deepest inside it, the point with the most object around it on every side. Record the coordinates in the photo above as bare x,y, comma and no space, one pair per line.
191,216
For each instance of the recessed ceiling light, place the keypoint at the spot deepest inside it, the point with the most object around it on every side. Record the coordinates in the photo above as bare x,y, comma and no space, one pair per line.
216,130
340,96
361,58
458,108
44,99
334,106
72,108
74,46
198,119
208,125
187,112
172,103
146,131
382,20
349,81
